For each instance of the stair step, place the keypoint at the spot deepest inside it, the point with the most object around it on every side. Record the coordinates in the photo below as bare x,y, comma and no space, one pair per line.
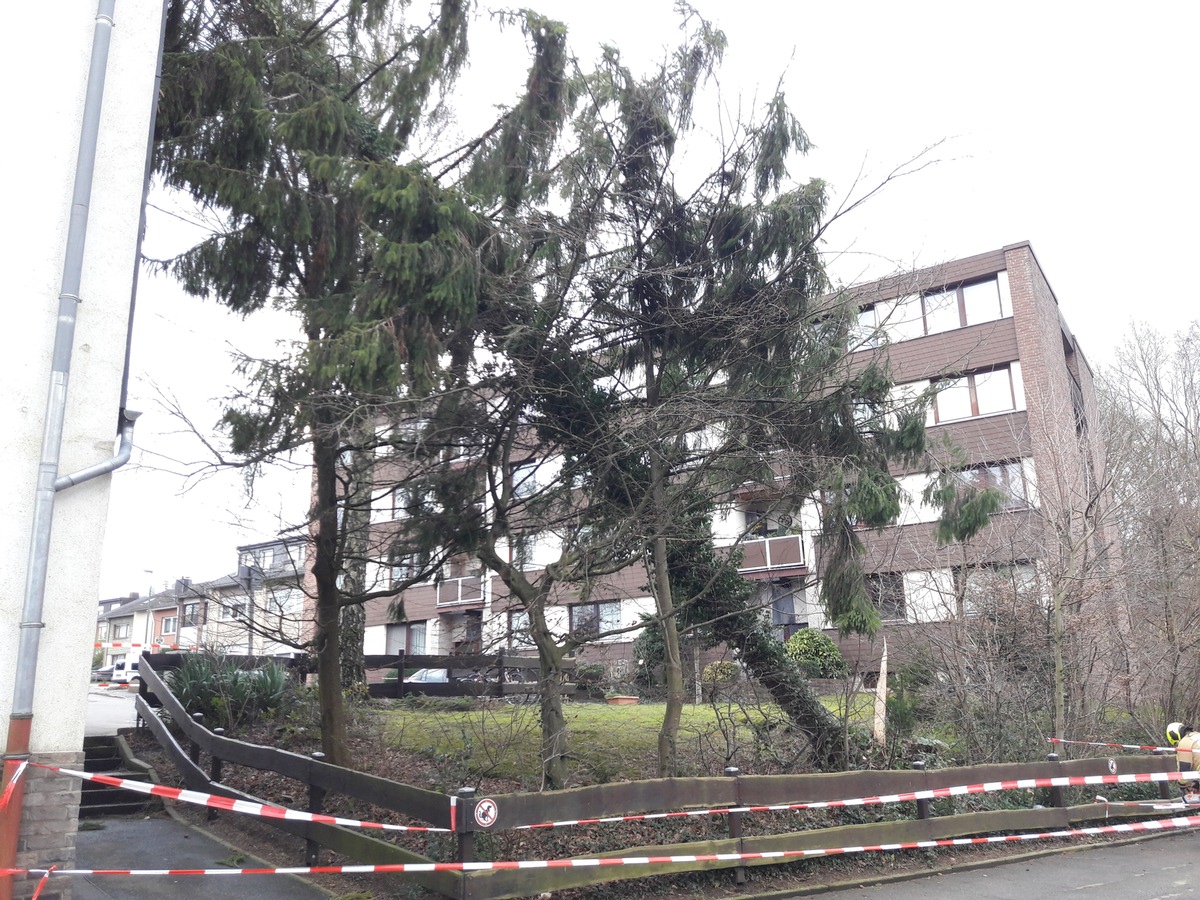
106,763
108,810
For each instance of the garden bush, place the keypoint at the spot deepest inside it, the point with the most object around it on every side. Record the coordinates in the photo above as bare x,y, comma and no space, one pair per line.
720,672
226,695
816,654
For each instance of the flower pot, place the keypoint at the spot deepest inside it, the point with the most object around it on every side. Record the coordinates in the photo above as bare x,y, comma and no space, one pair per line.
621,700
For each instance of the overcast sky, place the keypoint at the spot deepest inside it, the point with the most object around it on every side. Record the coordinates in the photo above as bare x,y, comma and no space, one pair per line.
1067,125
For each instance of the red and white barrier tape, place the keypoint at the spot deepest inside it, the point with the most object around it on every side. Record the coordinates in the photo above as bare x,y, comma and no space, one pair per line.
931,794
1121,746
12,782
117,645
200,798
228,803
1179,822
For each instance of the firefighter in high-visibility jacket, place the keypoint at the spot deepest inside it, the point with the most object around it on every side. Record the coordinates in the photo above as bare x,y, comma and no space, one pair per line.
1186,741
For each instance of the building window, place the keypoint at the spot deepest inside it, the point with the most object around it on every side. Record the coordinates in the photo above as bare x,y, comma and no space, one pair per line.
518,631
524,548
408,637
412,500
120,632
986,587
191,615
401,567
886,591
525,480
102,631
168,624
416,638
588,620
865,333
261,558
231,611
976,394
789,609
939,311
762,521
1008,478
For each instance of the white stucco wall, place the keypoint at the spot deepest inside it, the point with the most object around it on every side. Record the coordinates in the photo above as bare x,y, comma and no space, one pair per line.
45,67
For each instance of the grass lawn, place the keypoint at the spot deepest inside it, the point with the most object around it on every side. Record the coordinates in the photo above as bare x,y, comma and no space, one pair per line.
607,743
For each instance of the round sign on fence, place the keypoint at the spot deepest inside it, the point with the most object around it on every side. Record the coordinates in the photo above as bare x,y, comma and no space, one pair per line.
486,812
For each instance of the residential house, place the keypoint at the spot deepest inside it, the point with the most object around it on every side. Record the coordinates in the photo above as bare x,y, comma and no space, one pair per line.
127,629
260,609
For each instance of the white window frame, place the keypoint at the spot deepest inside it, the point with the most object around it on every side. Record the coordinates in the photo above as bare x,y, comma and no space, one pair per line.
947,388
607,617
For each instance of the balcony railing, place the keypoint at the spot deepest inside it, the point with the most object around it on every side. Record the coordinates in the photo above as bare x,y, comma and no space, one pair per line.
768,554
460,591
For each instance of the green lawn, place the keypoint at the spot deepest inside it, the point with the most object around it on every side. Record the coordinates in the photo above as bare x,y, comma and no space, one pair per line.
607,743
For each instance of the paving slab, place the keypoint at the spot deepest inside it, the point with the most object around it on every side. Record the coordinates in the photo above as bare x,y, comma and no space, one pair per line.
162,842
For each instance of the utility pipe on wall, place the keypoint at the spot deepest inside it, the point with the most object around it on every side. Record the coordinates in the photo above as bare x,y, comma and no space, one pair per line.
21,720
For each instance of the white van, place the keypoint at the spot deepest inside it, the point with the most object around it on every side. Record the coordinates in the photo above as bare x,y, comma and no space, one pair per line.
126,672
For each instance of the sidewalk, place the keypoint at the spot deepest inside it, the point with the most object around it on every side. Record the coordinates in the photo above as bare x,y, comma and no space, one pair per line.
161,842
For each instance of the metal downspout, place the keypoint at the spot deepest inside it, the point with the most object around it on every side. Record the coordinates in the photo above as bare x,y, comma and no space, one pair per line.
21,720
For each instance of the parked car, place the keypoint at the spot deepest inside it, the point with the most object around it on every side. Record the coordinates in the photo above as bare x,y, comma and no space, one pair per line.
442,676
104,673
126,672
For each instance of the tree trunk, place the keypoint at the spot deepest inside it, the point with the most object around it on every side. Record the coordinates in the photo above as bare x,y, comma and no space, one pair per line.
329,663
765,660
355,543
668,734
554,723
1060,673
351,630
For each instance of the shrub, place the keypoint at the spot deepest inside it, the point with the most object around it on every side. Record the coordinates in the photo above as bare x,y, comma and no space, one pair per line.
591,674
816,654
720,672
225,695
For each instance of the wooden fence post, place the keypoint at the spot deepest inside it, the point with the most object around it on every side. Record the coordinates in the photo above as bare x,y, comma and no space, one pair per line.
501,680
214,771
194,750
1056,793
316,799
735,822
400,676
922,805
1164,787
466,833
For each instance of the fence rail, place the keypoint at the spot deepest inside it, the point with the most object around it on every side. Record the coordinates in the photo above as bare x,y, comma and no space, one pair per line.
626,799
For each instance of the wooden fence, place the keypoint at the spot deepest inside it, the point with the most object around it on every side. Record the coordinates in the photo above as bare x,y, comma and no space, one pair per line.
499,675
627,798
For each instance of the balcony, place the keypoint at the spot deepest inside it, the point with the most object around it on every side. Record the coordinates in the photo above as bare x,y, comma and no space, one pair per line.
461,592
775,556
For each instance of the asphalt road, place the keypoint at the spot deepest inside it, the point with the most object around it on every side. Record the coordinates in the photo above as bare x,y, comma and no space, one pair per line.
1158,869
108,709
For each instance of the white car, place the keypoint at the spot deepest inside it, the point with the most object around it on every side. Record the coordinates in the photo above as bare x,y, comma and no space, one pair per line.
126,672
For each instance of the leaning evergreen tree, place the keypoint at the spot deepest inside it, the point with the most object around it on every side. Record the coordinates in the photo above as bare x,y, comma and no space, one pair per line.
291,122
675,343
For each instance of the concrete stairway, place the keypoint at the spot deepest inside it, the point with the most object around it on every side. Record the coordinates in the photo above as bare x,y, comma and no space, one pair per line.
102,755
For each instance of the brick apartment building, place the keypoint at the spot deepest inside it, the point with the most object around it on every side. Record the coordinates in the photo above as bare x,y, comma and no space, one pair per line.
1013,392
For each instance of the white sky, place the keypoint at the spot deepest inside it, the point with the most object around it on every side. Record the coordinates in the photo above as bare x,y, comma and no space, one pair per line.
1068,125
